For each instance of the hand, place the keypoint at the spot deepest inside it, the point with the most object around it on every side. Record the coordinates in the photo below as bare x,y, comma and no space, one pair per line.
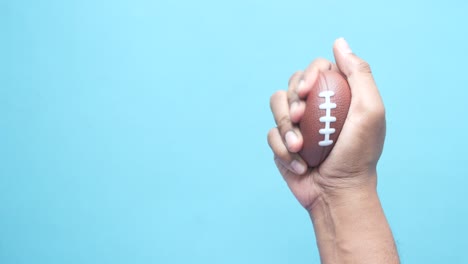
352,163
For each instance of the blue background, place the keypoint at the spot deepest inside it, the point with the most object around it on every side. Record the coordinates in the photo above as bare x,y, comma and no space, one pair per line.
134,131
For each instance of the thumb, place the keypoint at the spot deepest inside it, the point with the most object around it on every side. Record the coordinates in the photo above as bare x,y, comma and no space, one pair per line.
358,73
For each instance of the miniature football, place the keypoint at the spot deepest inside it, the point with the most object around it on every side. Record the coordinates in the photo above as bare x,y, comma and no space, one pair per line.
327,106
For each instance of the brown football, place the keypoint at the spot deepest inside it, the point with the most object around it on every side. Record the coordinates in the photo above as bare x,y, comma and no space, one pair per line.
327,106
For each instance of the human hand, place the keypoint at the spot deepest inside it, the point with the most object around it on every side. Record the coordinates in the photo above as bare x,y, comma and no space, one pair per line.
351,165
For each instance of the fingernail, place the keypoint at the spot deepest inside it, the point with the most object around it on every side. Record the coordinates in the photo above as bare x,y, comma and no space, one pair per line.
343,46
300,86
298,167
291,138
294,107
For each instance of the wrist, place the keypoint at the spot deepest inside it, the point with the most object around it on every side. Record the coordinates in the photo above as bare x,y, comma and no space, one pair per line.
350,225
358,191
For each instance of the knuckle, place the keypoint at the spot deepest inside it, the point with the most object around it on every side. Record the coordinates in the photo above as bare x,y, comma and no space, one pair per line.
322,63
271,135
283,155
379,111
284,124
275,97
375,112
292,96
280,163
277,146
364,67
294,76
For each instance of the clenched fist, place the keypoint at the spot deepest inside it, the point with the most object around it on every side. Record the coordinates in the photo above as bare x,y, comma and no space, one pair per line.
352,162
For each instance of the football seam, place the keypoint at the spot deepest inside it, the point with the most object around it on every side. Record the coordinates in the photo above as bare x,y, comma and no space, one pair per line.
323,154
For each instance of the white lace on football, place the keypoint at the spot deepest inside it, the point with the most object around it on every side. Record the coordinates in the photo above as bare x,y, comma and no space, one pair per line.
327,119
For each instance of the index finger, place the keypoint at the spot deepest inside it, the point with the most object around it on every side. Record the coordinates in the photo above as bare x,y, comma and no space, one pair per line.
311,73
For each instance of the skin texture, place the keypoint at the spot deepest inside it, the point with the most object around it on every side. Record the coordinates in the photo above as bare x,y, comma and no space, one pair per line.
340,194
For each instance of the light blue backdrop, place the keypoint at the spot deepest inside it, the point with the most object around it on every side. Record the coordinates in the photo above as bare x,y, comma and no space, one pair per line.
134,131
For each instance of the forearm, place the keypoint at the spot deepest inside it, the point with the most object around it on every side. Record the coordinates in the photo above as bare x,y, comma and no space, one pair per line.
351,228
